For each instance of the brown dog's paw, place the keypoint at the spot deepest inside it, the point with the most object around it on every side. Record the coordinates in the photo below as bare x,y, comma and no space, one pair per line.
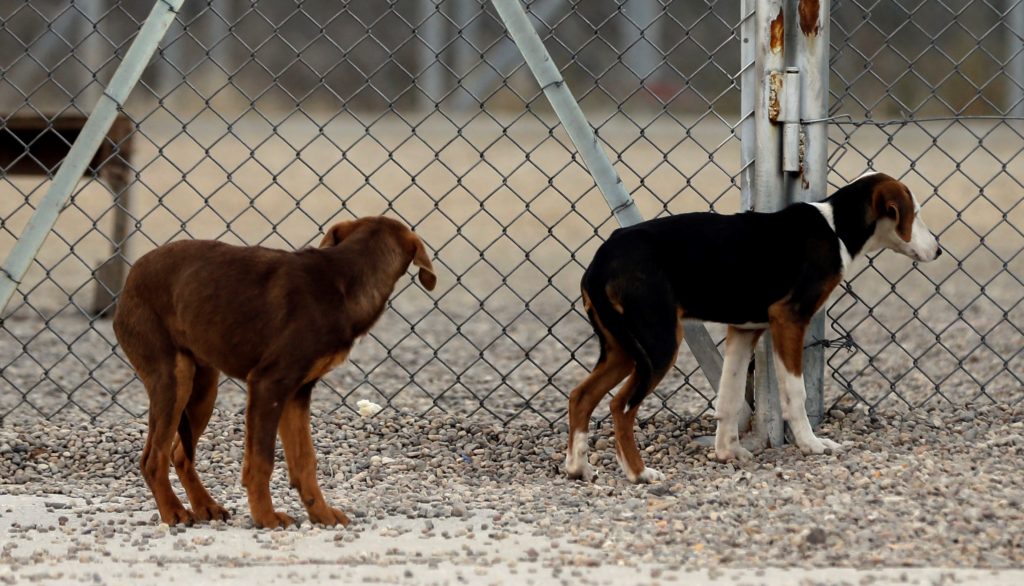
274,521
181,516
211,512
328,516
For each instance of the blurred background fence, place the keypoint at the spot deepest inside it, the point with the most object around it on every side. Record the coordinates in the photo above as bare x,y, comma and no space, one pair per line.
262,122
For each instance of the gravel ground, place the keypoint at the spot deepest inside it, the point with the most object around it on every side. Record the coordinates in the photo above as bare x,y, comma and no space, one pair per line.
939,488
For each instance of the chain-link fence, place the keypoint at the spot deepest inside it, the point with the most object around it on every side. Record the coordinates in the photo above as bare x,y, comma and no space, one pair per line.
262,122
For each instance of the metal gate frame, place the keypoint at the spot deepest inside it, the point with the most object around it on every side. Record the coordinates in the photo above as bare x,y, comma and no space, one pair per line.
783,154
784,157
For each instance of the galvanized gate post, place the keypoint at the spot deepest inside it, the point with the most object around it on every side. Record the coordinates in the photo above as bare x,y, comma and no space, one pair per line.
596,160
787,160
768,190
93,133
811,56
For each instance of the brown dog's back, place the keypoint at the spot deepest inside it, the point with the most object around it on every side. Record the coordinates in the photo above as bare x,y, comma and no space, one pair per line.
222,304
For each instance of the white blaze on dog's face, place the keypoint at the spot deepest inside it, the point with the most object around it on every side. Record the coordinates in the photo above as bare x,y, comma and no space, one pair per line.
899,225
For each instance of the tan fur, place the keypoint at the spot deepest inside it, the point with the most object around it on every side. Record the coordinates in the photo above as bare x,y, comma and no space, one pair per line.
787,336
325,364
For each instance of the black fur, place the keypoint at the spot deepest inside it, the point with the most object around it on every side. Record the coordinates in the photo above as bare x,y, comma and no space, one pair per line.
722,268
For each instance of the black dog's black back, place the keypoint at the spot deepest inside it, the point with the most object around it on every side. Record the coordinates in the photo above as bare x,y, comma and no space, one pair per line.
722,268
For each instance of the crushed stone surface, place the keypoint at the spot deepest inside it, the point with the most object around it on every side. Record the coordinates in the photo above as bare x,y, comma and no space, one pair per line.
941,487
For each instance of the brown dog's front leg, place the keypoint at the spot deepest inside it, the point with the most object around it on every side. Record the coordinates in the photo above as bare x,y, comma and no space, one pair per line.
298,450
261,418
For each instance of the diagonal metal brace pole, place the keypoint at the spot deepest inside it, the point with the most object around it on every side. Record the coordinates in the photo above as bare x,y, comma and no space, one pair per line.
594,157
81,153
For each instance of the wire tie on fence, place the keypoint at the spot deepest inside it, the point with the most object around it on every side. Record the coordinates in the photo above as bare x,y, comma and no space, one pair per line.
556,83
623,206
845,342
118,103
827,119
9,276
170,7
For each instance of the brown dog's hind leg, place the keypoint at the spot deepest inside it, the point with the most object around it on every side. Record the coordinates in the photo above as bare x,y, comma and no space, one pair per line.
168,388
267,396
299,453
197,414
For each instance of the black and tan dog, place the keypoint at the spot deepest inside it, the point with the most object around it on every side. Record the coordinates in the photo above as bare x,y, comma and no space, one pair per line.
277,320
752,271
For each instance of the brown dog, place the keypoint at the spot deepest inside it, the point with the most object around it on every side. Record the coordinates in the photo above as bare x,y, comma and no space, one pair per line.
278,320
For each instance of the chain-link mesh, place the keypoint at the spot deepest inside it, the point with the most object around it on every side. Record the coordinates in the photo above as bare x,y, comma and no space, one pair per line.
934,91
263,122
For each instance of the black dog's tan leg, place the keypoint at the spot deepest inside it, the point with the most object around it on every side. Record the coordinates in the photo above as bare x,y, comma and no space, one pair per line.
653,324
660,348
788,343
169,390
262,415
583,400
298,450
624,421
739,346
197,413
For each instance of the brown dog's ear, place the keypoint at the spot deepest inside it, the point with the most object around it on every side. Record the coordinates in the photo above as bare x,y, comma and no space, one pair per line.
421,259
337,233
891,199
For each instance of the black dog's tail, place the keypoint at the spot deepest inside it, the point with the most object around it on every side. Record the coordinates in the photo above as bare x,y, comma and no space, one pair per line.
617,326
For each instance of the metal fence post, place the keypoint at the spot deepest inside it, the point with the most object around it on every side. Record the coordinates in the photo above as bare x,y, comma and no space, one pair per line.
608,181
434,32
810,52
1014,47
93,133
768,191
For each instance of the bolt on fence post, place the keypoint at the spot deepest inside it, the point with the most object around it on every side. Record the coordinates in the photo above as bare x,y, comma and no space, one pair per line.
549,78
768,192
93,133
811,51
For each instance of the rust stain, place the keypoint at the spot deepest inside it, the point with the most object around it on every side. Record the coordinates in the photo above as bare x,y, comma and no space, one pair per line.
778,31
775,80
809,10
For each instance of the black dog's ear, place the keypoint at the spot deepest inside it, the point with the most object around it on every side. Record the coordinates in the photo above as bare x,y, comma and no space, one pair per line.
337,233
891,199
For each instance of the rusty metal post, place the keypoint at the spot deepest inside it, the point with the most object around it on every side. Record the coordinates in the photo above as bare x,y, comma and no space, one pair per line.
810,53
768,193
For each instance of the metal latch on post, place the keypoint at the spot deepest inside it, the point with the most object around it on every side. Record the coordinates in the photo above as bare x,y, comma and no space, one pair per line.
784,108
791,159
